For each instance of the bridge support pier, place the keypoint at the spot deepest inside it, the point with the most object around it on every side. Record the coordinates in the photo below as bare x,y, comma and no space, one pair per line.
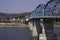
35,28
42,31
49,30
30,25
38,27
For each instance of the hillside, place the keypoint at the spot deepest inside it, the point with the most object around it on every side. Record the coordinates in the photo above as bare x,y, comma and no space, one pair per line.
6,15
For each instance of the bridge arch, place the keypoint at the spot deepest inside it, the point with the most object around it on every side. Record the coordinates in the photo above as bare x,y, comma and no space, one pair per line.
48,13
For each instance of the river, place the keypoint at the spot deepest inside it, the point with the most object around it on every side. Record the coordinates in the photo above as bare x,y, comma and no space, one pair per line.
15,33
20,33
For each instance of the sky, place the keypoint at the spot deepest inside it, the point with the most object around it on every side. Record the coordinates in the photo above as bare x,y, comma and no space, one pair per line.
19,6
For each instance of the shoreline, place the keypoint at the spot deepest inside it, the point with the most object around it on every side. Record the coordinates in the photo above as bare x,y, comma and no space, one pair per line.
13,25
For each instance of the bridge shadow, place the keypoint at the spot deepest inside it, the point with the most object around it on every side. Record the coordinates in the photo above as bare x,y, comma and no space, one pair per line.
57,31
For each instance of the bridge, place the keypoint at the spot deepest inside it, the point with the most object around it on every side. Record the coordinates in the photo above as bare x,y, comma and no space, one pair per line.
41,22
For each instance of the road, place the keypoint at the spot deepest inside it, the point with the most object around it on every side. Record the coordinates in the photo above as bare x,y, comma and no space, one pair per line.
14,33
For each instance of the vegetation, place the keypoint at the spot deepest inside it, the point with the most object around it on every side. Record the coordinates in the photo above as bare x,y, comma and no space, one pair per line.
7,15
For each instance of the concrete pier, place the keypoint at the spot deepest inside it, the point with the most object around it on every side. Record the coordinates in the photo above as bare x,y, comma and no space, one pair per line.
42,36
33,30
30,25
49,29
42,30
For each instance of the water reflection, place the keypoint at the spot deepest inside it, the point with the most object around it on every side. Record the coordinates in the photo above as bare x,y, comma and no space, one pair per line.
15,33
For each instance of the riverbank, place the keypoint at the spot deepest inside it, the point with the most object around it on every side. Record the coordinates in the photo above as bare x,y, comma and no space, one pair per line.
13,25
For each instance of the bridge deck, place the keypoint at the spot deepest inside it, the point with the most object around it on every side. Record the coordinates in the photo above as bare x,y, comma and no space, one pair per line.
46,17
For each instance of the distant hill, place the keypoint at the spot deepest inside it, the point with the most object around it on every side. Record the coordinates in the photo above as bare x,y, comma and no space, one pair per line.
2,15
6,15
25,13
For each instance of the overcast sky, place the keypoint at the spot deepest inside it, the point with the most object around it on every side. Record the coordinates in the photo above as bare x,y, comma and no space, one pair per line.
19,6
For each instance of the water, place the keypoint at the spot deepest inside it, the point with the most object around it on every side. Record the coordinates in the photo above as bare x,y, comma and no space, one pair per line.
14,33
57,31
20,33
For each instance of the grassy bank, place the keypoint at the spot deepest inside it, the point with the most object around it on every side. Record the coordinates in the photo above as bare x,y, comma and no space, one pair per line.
13,24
